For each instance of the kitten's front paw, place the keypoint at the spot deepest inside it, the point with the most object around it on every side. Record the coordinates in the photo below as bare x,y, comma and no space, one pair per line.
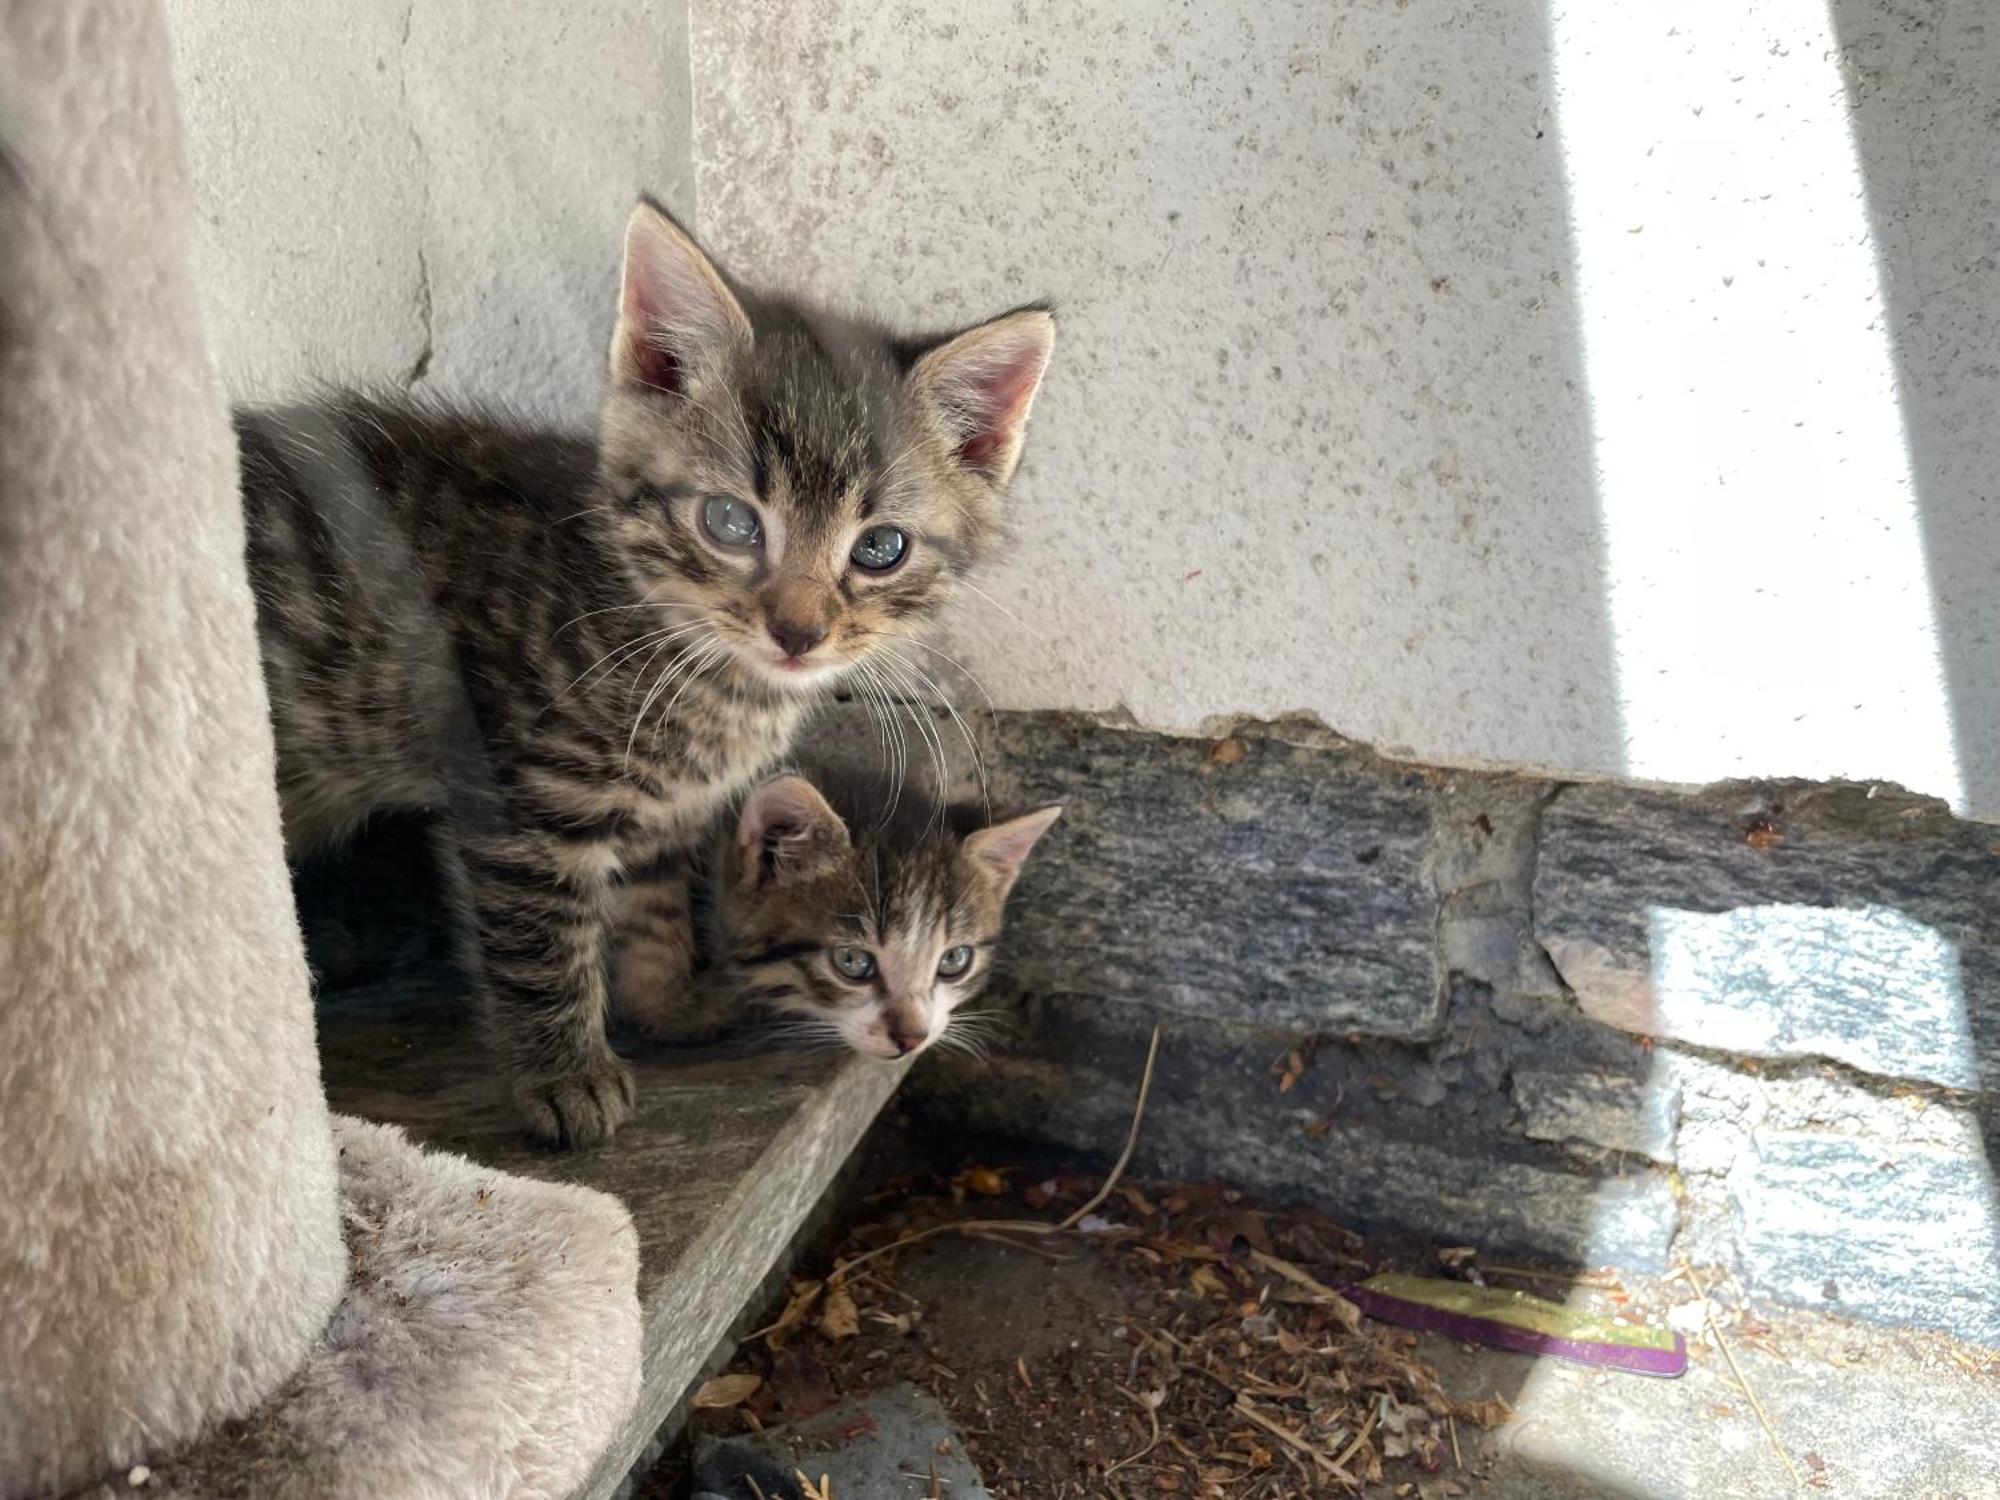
578,1109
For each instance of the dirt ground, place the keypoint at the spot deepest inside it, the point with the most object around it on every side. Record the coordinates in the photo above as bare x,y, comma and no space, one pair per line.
1184,1340
1180,1340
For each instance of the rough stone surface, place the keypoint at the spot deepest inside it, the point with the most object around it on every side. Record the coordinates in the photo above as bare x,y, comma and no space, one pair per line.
1826,1188
1389,1136
1483,864
885,1444
1780,921
1250,879
1612,1111
1884,1229
1293,893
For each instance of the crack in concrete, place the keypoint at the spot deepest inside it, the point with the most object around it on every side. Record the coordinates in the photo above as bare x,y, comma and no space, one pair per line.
425,308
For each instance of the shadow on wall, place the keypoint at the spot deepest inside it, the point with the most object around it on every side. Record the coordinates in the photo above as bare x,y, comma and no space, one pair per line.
1923,78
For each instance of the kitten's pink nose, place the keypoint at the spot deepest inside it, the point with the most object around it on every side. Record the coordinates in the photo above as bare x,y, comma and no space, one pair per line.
905,1042
795,639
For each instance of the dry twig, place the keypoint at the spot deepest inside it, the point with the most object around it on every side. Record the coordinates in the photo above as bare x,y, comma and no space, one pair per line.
1333,1466
1708,1317
1152,1415
1030,1226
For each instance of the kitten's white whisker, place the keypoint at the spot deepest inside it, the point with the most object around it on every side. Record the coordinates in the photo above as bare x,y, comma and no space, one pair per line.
960,667
690,666
646,666
919,713
719,651
964,729
979,593
648,602
893,738
624,648
623,651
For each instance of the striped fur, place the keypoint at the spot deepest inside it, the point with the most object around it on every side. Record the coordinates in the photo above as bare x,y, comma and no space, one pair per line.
531,634
811,869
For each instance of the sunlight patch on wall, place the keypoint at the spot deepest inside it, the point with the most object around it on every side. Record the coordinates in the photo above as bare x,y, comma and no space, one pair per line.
1768,593
1868,986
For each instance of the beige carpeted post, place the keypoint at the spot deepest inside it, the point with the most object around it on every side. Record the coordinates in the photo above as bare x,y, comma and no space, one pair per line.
169,1239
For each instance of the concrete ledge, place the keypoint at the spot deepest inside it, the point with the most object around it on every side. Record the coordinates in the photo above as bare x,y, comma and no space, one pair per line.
720,1164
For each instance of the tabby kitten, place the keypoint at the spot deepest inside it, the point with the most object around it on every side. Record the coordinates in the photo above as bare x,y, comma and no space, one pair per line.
574,652
870,929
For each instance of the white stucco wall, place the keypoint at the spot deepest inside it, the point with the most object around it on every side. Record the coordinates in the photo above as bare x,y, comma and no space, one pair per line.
1503,384
430,188
1499,382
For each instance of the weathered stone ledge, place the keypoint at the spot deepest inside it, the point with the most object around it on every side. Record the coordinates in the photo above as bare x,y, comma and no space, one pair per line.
1757,1024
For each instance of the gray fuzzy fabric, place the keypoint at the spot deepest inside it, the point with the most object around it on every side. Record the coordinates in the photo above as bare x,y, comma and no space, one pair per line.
488,1344
170,1241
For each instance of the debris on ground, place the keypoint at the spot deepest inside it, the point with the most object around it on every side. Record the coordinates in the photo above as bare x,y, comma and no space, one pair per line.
894,1442
1226,1366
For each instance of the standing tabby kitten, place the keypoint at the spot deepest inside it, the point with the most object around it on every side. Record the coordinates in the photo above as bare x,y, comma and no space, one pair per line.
574,652
871,929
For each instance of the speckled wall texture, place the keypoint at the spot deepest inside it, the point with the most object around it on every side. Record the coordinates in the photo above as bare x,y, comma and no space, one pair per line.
1444,371
426,192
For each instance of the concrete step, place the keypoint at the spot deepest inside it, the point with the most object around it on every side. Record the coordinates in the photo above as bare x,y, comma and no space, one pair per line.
720,1165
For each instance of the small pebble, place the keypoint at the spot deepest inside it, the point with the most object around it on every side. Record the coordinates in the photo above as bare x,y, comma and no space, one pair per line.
139,1477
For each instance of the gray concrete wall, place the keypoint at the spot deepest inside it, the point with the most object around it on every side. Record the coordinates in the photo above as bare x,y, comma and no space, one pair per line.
426,191
1505,383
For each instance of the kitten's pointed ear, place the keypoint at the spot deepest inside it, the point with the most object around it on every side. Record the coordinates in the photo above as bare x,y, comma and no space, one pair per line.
1000,851
982,382
786,832
676,315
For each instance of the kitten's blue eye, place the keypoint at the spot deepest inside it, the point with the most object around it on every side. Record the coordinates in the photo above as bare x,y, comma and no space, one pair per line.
954,962
880,548
730,523
854,963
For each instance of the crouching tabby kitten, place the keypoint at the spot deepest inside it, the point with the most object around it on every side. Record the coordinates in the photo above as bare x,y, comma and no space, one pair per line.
870,929
575,651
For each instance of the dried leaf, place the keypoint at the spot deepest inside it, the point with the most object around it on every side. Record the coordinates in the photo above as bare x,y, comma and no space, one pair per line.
724,1392
1227,752
1288,1070
1346,1312
1140,1203
804,1295
1248,1226
839,1318
1206,1283
987,1182
1483,1413
897,1323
